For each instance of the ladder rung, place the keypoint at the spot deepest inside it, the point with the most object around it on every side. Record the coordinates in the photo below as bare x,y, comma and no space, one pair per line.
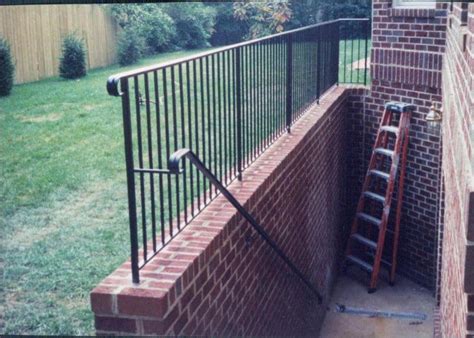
368,218
360,262
390,129
381,174
383,151
374,196
383,260
364,240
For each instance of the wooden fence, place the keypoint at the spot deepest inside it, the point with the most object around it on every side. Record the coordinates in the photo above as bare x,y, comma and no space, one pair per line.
35,34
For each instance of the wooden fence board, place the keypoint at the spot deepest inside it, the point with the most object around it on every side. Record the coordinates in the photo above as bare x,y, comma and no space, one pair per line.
35,34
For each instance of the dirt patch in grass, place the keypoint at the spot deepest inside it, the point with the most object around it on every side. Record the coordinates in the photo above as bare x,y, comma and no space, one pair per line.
42,118
33,225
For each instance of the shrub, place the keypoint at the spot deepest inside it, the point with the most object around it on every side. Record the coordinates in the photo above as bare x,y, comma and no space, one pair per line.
73,61
130,46
194,23
155,28
7,69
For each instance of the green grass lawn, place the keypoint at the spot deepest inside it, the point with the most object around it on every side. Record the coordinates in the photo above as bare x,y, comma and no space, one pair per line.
63,202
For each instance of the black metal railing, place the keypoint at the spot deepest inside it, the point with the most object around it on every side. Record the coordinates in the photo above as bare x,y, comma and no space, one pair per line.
227,105
174,167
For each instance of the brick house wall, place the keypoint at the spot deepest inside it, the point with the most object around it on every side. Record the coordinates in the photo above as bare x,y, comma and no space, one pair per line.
406,64
218,277
457,271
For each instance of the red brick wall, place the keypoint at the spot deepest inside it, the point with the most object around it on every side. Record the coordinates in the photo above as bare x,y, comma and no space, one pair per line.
407,49
218,277
457,273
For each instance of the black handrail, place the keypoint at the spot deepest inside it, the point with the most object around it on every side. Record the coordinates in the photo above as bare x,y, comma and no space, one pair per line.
174,168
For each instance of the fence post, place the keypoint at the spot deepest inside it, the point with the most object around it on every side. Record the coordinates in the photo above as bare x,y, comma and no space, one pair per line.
289,80
239,112
367,32
132,204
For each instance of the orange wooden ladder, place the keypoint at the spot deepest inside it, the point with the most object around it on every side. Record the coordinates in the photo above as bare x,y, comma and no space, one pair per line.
381,175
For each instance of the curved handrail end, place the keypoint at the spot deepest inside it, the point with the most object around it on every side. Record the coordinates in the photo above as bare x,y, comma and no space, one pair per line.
175,159
113,83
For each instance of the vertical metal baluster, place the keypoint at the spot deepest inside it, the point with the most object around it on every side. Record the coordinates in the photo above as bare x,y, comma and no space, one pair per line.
167,143
238,121
367,32
219,113
358,59
289,80
190,132
345,52
203,125
150,160
336,62
214,117
231,112
352,52
225,111
254,104
132,204
175,140
183,141
246,78
196,131
318,67
209,129
160,151
260,96
140,164
274,97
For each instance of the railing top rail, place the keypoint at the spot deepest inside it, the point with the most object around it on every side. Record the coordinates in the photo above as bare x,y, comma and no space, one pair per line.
114,80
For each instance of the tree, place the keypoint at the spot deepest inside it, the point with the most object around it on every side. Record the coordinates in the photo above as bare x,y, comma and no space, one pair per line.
227,29
263,18
194,23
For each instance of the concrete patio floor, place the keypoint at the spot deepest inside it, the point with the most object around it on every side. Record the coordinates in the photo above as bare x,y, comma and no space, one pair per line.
405,296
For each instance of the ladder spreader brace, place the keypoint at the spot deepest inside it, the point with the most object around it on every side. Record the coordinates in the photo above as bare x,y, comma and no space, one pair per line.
174,168
381,177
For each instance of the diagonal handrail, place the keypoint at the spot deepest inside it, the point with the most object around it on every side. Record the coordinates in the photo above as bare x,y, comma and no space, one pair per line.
174,168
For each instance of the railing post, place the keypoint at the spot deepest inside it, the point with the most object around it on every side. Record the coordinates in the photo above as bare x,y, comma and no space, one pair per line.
132,204
367,33
318,67
289,80
338,44
239,111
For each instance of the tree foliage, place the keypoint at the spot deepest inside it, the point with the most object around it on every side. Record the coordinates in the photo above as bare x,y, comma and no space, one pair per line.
227,29
7,68
130,47
263,18
194,23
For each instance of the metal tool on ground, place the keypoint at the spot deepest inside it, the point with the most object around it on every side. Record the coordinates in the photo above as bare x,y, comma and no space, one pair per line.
365,247
380,314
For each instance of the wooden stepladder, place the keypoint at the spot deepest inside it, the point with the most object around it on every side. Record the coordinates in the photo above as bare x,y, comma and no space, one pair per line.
365,247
